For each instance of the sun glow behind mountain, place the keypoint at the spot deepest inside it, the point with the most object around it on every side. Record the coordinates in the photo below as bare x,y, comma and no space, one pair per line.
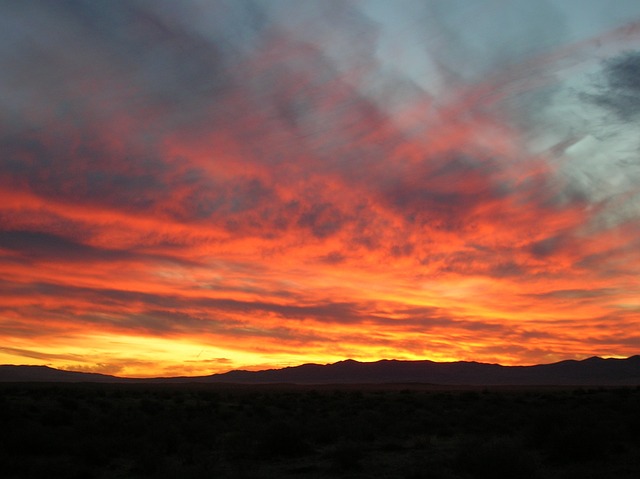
192,187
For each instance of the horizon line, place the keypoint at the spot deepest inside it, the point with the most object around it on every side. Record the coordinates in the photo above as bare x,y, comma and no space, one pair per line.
324,364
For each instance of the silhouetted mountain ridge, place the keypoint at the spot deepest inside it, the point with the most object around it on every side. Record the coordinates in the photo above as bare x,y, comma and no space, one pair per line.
12,373
591,371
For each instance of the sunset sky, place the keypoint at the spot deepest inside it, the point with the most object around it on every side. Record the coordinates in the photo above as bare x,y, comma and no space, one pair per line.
189,187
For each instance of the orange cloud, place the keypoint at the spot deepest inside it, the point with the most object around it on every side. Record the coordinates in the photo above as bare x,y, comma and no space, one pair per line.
280,206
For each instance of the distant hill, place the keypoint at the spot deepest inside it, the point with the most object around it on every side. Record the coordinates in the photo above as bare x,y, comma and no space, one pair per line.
10,373
589,372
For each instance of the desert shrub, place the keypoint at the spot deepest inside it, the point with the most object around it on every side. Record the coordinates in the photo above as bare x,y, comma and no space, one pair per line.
199,431
283,439
151,406
577,442
346,456
420,466
236,446
496,458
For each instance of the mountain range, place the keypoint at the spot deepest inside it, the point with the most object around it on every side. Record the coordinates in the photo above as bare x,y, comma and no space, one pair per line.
594,371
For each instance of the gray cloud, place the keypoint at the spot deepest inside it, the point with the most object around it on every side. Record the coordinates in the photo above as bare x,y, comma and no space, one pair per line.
104,299
548,247
36,246
578,294
619,91
279,83
28,353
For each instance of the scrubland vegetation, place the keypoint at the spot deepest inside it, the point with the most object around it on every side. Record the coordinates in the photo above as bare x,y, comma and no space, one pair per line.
215,431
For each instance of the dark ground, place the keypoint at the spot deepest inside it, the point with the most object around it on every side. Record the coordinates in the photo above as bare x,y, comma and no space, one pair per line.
402,431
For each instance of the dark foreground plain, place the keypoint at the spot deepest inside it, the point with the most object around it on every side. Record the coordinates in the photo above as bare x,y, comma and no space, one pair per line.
381,431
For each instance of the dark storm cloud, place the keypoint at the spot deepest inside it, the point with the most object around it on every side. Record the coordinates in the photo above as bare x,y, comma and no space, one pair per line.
620,89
